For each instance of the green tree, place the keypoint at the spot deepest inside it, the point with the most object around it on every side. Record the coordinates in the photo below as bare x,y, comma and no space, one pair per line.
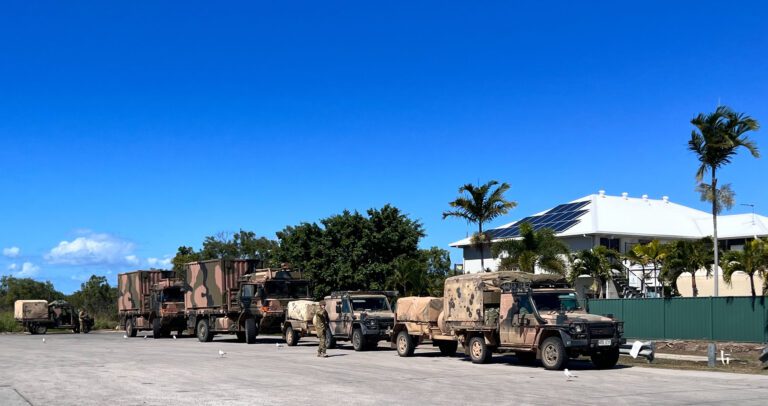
686,256
13,289
97,297
438,263
753,259
533,249
651,254
352,251
480,205
184,255
715,141
599,263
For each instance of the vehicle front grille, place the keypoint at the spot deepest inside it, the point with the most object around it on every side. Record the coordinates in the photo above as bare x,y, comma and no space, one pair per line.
601,330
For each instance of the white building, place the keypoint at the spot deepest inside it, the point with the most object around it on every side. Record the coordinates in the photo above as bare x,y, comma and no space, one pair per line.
620,222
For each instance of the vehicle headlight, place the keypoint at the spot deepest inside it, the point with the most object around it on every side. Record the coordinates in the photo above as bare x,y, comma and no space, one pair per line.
371,323
577,328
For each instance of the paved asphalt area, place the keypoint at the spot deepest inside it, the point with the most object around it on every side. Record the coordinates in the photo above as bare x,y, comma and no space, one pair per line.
105,369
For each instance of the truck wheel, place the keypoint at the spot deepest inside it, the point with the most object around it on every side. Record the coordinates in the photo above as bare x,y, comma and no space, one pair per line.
250,331
291,336
405,345
330,342
41,329
204,334
479,351
130,328
31,329
157,328
358,341
606,359
448,348
553,354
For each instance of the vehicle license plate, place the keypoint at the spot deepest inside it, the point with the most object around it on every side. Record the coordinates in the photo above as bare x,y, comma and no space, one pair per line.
604,343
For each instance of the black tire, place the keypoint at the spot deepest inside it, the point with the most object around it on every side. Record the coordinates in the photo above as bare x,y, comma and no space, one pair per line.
478,350
605,359
358,341
448,348
157,328
130,328
291,336
203,331
404,344
41,329
330,342
553,355
31,329
251,331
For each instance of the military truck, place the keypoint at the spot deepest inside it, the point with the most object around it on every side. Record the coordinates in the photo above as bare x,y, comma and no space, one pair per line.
150,300
237,297
37,316
533,316
365,318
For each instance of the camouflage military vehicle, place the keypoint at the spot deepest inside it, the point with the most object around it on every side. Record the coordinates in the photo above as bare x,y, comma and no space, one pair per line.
365,318
237,297
37,316
150,300
416,324
534,316
299,321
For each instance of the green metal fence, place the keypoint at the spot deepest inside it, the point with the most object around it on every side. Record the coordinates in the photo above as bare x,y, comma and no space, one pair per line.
743,319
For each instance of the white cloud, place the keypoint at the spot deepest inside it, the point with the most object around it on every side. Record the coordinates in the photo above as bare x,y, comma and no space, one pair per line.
28,270
12,267
159,263
11,252
93,249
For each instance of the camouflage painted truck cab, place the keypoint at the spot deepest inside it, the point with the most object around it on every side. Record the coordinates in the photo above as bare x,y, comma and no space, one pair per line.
150,300
534,316
237,297
37,316
364,318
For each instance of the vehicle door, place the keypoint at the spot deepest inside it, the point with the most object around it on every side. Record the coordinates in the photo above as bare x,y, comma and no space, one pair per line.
521,322
333,307
346,316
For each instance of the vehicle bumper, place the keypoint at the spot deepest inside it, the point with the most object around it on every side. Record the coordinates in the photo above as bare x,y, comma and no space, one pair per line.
594,343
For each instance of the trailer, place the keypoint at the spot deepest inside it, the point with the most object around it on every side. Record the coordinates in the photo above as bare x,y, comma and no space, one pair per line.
299,321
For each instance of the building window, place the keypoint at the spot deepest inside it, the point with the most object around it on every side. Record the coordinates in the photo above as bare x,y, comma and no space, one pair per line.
611,243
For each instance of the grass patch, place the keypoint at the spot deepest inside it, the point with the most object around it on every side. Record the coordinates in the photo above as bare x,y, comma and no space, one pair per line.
8,323
740,366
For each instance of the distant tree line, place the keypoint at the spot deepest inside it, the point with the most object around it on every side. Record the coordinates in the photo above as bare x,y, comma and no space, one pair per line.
377,250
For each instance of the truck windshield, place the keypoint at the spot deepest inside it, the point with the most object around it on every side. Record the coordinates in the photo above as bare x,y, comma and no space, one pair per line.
369,303
247,291
173,294
283,289
553,301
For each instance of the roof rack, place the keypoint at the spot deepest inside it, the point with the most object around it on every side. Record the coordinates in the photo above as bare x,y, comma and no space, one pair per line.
342,293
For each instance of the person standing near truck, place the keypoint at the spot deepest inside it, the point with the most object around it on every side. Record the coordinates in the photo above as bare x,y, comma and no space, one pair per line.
83,316
320,320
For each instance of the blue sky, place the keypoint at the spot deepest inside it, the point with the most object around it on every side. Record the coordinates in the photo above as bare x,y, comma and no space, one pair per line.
127,131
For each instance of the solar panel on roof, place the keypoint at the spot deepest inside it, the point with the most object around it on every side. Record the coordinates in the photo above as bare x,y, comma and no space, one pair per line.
559,219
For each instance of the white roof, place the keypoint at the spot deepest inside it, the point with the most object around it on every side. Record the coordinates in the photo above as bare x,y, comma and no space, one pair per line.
652,218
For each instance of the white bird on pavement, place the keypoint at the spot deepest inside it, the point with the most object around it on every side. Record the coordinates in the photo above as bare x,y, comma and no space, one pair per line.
278,345
145,336
125,336
43,340
174,336
221,354
569,375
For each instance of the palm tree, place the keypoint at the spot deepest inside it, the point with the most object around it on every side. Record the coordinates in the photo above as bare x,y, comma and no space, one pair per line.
726,197
534,248
687,257
753,259
481,205
716,141
599,263
652,254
